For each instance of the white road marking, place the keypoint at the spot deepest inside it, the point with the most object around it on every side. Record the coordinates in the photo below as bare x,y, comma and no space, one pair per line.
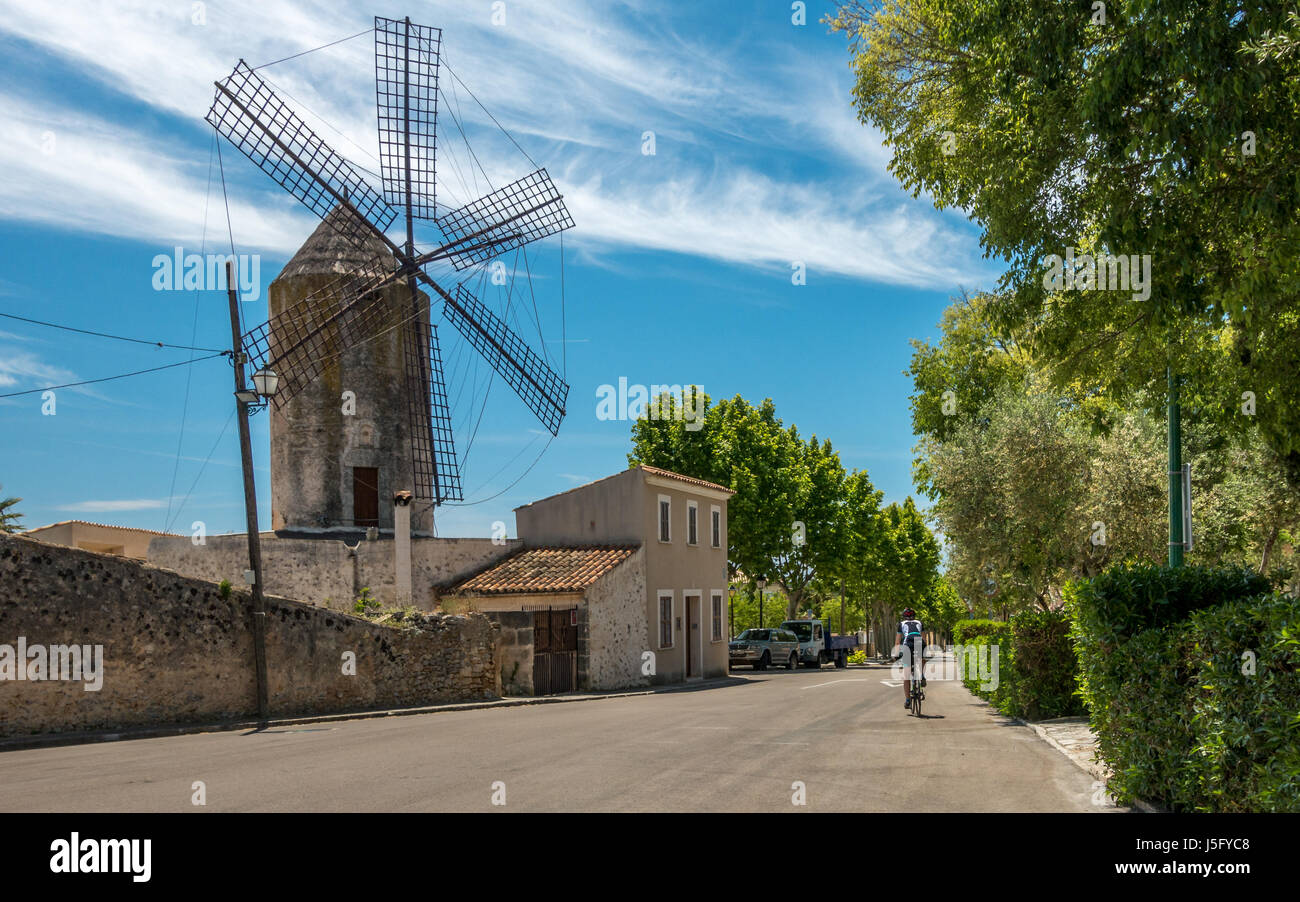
833,682
894,683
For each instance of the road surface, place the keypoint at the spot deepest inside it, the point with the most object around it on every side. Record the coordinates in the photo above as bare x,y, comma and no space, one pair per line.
839,740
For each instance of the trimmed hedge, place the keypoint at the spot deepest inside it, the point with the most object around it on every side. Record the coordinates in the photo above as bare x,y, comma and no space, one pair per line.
1044,668
1036,664
1192,680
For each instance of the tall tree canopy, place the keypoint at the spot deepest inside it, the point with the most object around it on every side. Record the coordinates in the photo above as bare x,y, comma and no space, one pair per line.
1165,128
797,517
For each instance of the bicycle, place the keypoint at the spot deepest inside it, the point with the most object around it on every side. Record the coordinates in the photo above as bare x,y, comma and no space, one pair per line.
917,693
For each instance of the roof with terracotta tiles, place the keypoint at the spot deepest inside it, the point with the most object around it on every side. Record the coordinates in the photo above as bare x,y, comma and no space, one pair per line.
152,532
552,569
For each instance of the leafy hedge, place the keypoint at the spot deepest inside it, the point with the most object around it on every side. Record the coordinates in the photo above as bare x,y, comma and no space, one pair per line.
1044,669
1192,680
1036,664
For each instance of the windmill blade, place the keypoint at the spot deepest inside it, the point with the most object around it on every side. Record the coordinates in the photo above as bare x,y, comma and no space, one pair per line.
510,217
537,384
436,472
251,117
306,339
406,88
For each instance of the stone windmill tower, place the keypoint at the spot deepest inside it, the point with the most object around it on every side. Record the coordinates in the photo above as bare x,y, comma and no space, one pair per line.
362,411
341,447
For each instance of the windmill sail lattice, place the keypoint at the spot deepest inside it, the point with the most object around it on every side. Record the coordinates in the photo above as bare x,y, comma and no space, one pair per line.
303,341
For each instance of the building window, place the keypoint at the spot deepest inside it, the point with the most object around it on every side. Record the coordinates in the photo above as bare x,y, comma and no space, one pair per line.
665,518
666,620
692,523
715,516
717,616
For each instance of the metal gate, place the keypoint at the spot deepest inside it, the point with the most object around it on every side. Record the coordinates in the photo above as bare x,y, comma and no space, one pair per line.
555,651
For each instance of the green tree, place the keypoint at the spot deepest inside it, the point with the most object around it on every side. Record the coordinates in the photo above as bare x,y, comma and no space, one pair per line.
787,519
744,607
941,608
1011,495
1168,129
9,518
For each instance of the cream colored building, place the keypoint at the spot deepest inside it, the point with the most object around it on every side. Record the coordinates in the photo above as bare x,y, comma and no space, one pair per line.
124,541
680,524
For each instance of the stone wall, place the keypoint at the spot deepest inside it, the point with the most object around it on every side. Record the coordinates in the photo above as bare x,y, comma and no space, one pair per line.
329,572
616,626
515,651
175,651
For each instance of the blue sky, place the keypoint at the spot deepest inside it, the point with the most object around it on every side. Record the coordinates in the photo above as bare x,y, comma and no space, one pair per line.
678,271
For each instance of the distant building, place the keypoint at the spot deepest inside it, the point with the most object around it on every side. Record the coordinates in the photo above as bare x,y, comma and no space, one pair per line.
124,541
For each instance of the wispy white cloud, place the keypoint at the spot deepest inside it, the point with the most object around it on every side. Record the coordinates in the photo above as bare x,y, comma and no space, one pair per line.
578,82
104,507
20,369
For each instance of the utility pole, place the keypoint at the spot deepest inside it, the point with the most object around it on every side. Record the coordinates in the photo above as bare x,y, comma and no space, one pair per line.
1177,541
250,495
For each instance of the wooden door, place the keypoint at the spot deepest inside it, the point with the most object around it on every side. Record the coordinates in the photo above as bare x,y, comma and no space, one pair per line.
365,496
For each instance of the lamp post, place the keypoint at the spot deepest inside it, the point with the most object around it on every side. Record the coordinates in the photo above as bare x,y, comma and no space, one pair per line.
761,583
265,384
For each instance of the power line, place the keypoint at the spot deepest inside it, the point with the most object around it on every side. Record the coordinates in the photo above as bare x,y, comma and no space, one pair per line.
498,473
194,331
167,526
32,391
141,341
490,116
313,50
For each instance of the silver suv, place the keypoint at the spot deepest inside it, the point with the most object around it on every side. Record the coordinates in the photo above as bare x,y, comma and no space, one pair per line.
763,647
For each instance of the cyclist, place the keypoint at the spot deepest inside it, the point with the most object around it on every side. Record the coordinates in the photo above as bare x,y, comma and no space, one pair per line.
910,641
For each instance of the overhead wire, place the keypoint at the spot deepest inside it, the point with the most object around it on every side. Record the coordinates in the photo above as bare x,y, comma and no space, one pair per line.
194,331
313,49
213,450
155,369
141,341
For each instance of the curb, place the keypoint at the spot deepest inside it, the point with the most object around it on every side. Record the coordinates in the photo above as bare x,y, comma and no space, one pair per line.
1092,767
50,740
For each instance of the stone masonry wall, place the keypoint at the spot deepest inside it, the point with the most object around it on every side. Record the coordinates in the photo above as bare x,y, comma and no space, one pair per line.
327,571
515,651
175,651
616,626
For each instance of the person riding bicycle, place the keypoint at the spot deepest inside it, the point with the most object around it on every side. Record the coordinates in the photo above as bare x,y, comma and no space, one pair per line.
910,638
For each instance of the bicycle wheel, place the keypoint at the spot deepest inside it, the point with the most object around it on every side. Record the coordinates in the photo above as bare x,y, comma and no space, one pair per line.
916,703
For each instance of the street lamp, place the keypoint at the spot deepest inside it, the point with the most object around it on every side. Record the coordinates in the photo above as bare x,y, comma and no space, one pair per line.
761,583
267,383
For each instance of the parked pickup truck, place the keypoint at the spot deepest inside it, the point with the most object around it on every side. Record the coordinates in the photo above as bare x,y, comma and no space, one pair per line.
818,646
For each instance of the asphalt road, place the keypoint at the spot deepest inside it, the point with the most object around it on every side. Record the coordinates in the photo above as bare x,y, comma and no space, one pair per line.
740,746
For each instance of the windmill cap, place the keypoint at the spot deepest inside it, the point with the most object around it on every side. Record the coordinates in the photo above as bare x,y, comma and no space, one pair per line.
331,249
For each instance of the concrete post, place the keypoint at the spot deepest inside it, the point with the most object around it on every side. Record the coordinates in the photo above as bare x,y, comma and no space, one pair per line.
402,546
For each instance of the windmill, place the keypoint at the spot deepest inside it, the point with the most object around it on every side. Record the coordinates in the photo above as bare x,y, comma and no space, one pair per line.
302,342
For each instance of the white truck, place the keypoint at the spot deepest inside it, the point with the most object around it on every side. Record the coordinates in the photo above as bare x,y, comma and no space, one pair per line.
818,645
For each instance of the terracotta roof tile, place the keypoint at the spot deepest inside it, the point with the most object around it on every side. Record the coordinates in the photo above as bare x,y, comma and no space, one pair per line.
551,569
104,525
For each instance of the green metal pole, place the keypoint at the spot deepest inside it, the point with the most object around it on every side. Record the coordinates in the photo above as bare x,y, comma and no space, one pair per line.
1176,538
